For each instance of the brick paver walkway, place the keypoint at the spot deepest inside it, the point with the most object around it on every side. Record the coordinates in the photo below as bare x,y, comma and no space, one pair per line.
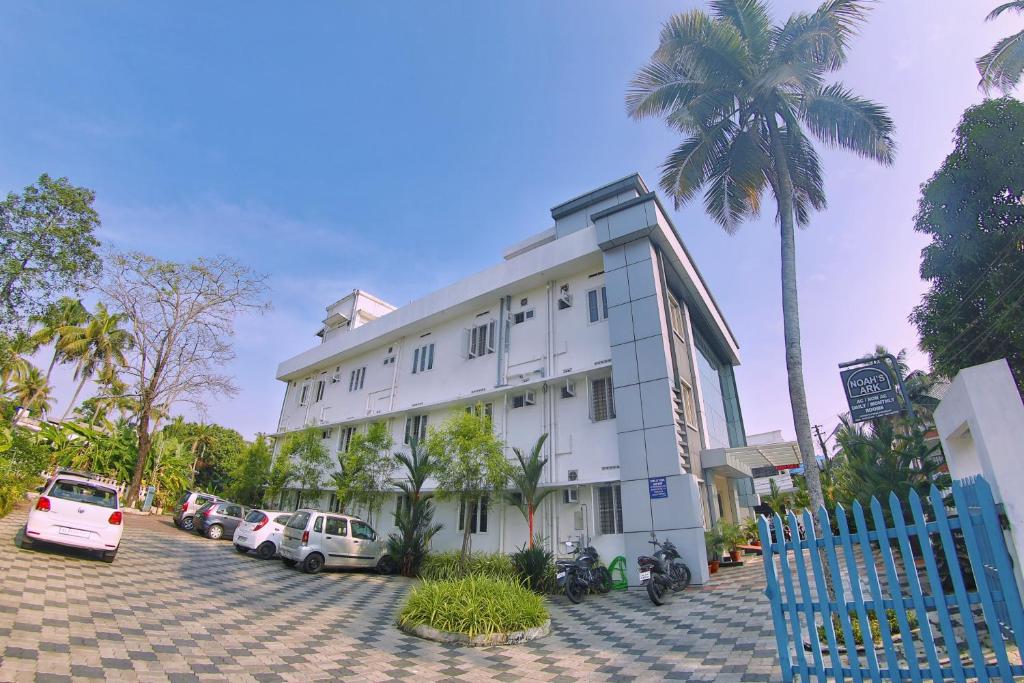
176,607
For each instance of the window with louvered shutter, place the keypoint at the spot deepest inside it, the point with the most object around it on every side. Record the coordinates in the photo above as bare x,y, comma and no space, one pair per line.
609,509
602,399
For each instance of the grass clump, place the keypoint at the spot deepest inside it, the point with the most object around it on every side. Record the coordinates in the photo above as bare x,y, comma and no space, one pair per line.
858,636
448,566
473,605
535,568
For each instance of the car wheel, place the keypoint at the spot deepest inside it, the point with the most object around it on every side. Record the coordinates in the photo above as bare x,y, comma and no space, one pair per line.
215,532
109,555
387,565
187,523
313,564
267,550
288,563
241,548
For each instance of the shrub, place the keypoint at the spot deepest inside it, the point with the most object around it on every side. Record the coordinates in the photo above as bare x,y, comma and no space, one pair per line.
473,605
858,636
536,568
13,485
449,565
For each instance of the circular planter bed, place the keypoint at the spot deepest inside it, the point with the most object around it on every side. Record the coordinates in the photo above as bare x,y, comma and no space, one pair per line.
475,611
482,639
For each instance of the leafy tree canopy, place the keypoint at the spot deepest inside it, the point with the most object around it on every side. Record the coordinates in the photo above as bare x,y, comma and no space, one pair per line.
47,246
972,209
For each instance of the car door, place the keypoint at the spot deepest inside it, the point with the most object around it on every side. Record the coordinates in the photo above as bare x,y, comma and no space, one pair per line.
338,545
367,545
233,517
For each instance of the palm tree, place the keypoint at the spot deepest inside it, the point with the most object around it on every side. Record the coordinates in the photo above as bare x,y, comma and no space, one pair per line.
527,480
1003,65
98,344
31,390
745,92
414,516
65,312
14,362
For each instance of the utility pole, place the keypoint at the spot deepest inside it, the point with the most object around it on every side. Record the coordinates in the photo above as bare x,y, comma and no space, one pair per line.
824,450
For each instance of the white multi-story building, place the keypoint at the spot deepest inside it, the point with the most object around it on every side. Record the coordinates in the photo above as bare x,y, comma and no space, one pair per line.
598,331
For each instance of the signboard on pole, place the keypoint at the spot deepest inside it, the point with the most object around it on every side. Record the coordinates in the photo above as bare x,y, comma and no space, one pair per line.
870,392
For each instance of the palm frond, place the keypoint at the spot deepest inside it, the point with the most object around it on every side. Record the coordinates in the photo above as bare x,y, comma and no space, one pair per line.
1016,5
688,167
658,88
737,181
837,117
751,19
1001,68
704,49
820,38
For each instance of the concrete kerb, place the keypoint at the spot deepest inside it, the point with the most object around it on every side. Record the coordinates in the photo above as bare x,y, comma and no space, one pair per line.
481,640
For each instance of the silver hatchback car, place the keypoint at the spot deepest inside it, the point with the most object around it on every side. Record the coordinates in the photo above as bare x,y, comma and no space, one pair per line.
314,540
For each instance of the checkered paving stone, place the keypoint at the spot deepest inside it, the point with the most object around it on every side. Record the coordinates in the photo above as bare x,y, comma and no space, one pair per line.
177,607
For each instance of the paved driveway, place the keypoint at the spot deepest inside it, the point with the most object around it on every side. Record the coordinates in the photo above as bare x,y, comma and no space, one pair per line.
176,607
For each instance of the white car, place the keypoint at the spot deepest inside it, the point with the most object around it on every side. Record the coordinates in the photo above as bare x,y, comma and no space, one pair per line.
261,531
76,511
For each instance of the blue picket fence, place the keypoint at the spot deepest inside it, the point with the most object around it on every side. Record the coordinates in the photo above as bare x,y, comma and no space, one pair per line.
929,588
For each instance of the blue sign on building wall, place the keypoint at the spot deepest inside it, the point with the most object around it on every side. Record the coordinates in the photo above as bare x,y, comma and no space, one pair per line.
658,487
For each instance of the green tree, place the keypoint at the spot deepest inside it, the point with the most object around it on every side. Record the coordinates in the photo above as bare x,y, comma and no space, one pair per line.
414,515
364,470
31,390
15,350
47,247
310,463
65,312
100,343
744,91
1002,66
170,469
251,473
470,463
280,473
776,499
526,479
973,211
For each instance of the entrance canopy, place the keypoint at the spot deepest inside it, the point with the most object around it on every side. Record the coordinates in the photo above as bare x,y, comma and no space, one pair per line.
739,462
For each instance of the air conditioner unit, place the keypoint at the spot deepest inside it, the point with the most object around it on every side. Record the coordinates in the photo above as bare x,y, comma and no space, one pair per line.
529,398
574,475
570,496
568,389
335,379
564,300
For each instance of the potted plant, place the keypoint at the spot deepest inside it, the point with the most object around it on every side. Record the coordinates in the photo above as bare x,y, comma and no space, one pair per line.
715,545
751,532
732,537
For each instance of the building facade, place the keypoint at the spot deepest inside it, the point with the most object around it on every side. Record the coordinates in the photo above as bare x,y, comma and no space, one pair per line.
599,332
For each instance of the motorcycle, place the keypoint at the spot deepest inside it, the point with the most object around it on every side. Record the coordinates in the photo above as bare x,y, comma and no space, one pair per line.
581,574
663,571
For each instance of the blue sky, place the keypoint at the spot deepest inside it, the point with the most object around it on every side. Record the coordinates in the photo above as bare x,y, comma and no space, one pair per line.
397,147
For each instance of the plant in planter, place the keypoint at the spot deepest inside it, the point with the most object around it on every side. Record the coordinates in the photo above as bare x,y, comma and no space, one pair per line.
732,536
750,531
715,545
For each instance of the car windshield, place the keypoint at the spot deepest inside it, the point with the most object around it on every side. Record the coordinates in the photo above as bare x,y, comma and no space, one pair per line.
254,516
283,519
81,492
298,520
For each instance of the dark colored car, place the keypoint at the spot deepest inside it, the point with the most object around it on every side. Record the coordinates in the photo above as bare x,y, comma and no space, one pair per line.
219,519
187,507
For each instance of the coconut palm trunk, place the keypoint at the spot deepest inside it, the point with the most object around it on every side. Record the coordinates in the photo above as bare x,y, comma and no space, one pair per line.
791,316
74,398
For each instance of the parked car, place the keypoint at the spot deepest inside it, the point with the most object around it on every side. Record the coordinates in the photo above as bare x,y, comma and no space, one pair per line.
76,511
314,540
188,505
219,518
261,531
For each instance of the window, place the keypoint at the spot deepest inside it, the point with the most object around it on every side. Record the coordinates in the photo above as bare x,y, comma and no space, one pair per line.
523,400
337,526
522,317
81,492
480,340
415,428
345,438
304,395
362,531
675,315
325,434
390,358
477,517
597,304
318,524
319,391
282,519
355,380
689,406
602,399
482,409
609,509
423,359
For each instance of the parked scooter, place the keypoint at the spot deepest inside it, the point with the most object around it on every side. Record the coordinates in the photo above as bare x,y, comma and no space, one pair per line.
663,571
581,574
